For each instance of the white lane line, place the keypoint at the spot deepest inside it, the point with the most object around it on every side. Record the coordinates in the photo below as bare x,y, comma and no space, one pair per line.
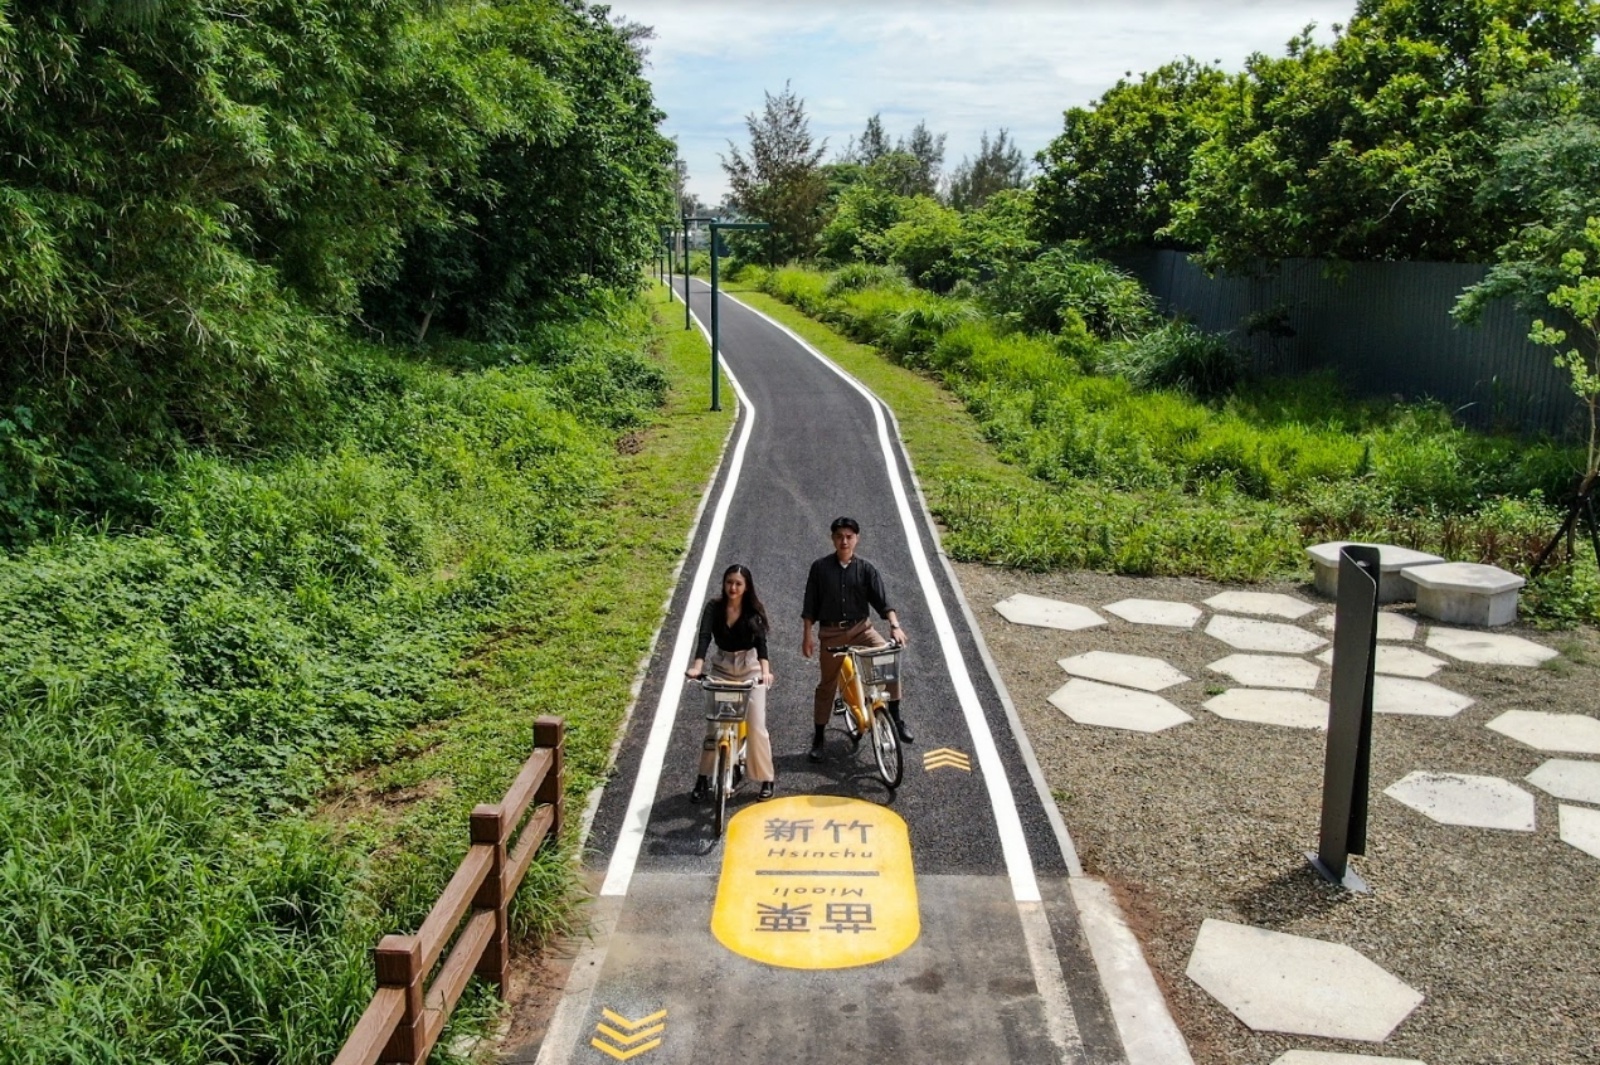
1013,844
630,838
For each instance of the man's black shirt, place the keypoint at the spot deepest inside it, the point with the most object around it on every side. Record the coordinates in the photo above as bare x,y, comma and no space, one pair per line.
836,593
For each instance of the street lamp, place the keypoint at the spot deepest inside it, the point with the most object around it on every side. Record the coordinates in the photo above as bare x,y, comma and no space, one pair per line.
686,220
716,398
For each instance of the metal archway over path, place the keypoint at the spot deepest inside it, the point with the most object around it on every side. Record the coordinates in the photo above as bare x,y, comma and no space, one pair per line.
946,921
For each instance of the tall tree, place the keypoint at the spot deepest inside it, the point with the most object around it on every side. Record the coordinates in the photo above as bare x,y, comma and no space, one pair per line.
570,182
780,180
928,150
872,146
1118,166
999,165
1372,147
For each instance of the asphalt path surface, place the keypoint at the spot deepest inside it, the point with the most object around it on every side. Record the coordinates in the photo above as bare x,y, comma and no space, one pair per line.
1001,970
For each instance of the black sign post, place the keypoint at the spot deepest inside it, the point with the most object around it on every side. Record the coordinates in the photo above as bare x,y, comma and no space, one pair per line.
1347,769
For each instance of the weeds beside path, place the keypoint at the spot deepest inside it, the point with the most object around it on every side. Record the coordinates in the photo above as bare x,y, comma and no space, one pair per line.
467,537
1046,464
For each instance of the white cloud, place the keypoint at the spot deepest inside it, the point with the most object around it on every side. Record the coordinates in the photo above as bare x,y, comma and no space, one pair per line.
962,67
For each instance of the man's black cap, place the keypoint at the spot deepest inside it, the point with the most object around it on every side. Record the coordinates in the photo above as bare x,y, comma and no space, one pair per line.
844,523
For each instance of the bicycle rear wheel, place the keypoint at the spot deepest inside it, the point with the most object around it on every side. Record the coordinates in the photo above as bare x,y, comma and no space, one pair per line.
886,748
721,784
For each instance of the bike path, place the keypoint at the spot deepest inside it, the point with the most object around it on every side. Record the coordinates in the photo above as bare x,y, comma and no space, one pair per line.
999,967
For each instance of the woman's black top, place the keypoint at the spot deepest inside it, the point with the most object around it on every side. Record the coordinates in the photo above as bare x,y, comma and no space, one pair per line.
749,631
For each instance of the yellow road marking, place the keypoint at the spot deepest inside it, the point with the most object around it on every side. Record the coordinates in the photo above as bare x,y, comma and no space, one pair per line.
946,756
621,1041
623,1055
817,882
617,1018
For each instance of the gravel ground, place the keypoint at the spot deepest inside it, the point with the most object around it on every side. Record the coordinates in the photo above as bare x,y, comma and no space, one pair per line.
1499,930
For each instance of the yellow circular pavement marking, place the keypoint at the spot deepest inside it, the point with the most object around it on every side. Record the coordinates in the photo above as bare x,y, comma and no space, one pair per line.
816,882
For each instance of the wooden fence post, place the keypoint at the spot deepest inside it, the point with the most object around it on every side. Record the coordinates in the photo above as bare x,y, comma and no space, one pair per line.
398,961
551,732
489,828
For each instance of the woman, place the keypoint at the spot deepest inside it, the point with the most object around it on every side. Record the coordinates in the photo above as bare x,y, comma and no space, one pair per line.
738,623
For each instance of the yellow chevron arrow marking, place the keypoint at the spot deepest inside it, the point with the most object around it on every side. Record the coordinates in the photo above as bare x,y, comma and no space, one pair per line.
617,1018
624,1055
637,1030
945,756
623,1040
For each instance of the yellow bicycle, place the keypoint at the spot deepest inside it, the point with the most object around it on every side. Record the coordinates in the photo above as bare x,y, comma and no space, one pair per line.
727,705
864,679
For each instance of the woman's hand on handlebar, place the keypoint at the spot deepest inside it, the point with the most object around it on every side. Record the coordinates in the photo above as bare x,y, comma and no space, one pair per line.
696,669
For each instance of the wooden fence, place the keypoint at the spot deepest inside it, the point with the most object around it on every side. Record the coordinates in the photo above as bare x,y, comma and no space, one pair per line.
406,1015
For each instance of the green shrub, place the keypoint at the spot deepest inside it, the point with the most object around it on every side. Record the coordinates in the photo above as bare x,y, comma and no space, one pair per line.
855,277
1177,355
917,328
1047,293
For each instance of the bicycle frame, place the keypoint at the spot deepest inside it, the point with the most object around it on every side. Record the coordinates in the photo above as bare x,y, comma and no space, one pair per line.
866,705
727,705
855,695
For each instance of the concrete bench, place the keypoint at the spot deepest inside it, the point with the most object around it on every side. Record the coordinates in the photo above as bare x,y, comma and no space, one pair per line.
1393,587
1466,593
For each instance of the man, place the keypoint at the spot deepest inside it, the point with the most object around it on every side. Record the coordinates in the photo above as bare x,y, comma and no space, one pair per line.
839,590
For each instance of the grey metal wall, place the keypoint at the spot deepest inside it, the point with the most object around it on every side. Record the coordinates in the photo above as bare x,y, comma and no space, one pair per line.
1385,328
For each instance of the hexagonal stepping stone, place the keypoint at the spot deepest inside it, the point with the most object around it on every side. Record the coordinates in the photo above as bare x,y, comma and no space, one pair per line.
1397,661
1489,648
1393,587
1268,671
1566,778
1546,731
1025,609
1129,671
1391,626
1275,982
1403,695
1156,612
1326,1057
1463,799
1091,703
1268,604
1263,707
1249,634
1580,826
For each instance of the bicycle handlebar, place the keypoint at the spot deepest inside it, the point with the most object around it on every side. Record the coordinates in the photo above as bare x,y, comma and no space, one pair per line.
892,645
726,685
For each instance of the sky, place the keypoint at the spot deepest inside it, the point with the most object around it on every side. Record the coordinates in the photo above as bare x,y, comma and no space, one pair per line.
961,67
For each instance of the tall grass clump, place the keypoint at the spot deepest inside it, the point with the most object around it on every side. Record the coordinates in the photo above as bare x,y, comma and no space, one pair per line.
1176,355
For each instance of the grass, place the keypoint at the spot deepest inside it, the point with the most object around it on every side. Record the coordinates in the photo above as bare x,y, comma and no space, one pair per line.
237,746
1048,460
576,659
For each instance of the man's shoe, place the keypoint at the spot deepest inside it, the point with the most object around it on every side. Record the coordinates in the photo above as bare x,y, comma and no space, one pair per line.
766,790
901,730
702,788
817,751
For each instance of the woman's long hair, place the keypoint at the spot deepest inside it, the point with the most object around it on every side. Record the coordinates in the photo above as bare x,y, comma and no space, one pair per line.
752,615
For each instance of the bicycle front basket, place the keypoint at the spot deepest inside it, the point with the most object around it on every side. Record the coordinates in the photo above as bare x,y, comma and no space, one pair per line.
727,704
879,666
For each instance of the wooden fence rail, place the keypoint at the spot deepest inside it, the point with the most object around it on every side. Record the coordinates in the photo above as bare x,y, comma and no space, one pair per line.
406,1015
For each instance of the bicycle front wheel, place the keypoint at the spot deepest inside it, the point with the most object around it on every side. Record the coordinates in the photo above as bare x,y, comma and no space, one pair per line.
721,784
886,748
